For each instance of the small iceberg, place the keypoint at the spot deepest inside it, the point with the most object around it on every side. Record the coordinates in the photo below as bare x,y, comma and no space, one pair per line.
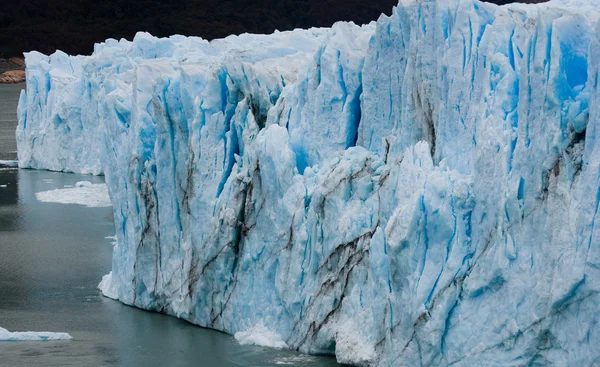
7,336
4,163
84,193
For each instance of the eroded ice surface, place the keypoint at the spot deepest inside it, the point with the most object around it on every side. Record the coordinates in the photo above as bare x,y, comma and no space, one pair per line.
429,182
7,336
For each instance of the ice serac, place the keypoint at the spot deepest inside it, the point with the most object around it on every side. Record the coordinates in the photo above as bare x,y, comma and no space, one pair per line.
419,191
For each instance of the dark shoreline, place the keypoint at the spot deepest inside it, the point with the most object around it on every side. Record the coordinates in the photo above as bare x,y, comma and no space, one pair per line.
12,71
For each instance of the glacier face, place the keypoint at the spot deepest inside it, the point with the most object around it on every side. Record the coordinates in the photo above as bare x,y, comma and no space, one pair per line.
418,191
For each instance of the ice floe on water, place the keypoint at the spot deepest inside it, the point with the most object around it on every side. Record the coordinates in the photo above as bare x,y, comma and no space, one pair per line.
261,336
302,360
7,336
84,193
4,163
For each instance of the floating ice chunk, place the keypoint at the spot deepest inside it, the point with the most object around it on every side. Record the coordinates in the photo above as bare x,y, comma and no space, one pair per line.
83,183
90,195
302,360
261,336
7,336
9,163
113,239
2,185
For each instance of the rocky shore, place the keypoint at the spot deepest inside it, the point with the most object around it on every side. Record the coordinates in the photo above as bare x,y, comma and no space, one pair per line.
12,70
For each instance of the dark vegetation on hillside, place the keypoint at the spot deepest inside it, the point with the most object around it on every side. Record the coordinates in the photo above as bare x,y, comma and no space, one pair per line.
75,25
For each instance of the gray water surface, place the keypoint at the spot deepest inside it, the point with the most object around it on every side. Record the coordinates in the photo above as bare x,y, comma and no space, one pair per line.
52,257
9,98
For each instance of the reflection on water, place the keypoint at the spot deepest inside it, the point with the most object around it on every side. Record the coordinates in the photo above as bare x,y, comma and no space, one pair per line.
9,190
9,98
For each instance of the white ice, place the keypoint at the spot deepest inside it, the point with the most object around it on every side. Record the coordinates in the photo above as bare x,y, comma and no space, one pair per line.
9,163
87,194
7,336
261,336
108,288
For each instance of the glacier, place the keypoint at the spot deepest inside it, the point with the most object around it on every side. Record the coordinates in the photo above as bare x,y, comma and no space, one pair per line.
421,190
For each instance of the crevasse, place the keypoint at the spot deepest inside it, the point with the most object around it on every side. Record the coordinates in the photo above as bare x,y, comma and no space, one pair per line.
422,190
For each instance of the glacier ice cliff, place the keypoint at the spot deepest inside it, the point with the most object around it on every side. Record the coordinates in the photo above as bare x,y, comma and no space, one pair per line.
422,190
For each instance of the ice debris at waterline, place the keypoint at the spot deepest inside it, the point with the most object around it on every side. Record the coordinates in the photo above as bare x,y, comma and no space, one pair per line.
7,336
261,336
430,182
108,288
84,193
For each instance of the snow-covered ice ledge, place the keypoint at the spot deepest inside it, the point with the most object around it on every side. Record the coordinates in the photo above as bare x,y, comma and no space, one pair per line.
419,191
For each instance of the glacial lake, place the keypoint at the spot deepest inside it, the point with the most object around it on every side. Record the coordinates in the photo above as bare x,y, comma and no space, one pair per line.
52,257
